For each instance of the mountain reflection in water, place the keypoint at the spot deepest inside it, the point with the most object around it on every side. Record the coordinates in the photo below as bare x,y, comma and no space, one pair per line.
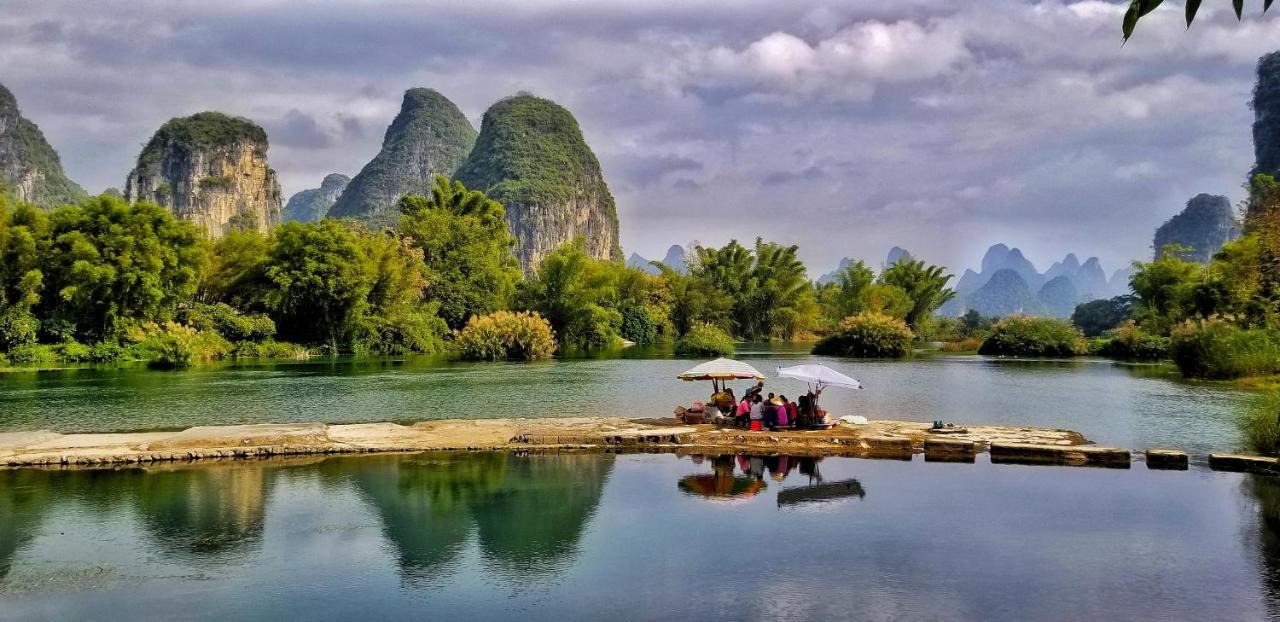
603,536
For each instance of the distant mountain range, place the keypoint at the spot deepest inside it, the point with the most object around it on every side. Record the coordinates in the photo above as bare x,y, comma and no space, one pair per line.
1010,283
896,254
1007,283
675,260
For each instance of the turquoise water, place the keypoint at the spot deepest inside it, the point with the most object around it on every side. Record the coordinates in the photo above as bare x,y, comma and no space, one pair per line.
1135,406
599,536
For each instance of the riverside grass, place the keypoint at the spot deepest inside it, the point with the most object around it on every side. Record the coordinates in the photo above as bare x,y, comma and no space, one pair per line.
1218,350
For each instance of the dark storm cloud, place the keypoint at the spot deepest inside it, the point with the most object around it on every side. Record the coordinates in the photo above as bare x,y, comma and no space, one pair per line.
938,126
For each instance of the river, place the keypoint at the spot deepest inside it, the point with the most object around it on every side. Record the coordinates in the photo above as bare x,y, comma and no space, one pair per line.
602,536
1132,406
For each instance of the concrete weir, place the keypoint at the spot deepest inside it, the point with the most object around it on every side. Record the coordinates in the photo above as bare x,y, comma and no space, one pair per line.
885,439
1085,455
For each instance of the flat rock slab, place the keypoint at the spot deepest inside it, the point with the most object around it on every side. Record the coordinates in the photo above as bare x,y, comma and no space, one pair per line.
1053,454
1168,459
896,439
258,435
950,450
1243,464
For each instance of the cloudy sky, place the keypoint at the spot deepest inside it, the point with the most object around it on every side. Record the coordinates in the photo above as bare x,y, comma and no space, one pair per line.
846,128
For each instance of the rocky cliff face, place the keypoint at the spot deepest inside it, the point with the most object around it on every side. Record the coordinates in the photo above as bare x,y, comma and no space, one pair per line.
313,204
429,137
531,156
1266,116
1203,226
29,166
210,169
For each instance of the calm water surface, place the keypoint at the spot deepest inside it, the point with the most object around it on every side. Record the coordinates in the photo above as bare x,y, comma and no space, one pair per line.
1134,406
597,536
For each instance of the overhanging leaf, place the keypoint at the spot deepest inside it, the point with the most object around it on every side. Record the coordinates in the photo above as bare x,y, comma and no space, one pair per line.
1238,5
1192,7
1131,18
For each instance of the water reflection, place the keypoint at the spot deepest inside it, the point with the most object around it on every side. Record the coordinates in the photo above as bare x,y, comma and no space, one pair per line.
723,485
24,498
528,512
1265,490
203,512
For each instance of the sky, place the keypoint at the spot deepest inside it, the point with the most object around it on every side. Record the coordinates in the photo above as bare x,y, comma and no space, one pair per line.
845,128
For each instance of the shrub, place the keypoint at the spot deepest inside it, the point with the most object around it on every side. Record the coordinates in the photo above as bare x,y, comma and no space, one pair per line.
1130,343
32,353
405,333
174,346
17,328
504,335
637,325
868,335
968,344
73,351
705,340
269,349
1021,335
229,322
106,351
1261,425
1217,349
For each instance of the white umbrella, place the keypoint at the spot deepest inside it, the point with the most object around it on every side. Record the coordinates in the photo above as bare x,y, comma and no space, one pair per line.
722,369
819,375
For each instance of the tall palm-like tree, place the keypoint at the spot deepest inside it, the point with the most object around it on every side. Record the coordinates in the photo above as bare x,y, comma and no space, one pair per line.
925,284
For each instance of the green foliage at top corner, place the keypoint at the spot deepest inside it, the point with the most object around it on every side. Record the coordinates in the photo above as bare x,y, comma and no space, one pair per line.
1140,8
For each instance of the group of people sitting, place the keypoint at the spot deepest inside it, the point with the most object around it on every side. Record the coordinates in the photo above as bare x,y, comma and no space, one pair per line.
774,412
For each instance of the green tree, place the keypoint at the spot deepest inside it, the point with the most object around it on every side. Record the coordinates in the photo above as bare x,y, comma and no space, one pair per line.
1165,288
395,319
845,295
1098,316
317,288
236,262
467,248
767,289
924,284
24,231
110,263
694,302
575,293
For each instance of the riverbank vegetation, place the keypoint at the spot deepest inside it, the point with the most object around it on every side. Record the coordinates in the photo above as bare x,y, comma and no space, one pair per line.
1220,320
106,280
869,334
1022,335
